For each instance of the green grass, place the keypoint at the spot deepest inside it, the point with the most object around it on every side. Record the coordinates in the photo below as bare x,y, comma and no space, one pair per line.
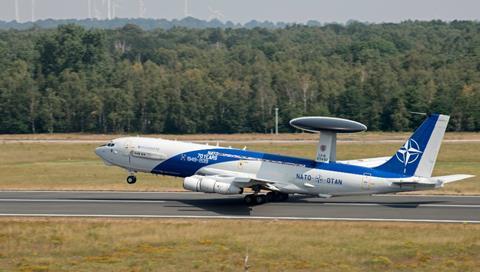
60,166
221,245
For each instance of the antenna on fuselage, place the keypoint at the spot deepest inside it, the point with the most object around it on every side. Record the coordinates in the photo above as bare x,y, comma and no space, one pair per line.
327,127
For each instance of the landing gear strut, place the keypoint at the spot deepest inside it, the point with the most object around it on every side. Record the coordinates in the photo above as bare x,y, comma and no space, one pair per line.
131,179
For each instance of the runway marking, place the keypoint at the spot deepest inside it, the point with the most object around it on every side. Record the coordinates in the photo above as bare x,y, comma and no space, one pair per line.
404,204
393,195
100,192
80,200
243,217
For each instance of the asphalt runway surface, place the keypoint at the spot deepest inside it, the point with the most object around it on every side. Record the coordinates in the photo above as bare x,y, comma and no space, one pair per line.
454,209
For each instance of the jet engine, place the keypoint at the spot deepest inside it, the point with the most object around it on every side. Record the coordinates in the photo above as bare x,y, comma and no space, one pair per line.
210,185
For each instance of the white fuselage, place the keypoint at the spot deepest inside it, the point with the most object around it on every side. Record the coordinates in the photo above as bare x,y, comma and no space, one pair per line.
285,174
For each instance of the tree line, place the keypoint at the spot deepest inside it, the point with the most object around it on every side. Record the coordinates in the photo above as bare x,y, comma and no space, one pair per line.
148,23
215,80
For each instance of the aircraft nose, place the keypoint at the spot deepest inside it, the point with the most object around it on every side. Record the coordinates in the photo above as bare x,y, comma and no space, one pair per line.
99,151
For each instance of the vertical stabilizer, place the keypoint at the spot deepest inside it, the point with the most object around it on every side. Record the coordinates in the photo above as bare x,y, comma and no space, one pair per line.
417,156
427,161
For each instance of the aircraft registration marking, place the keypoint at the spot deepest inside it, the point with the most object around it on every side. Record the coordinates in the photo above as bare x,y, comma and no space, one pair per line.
318,179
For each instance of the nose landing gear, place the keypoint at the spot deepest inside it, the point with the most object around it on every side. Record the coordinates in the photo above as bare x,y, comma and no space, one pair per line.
131,179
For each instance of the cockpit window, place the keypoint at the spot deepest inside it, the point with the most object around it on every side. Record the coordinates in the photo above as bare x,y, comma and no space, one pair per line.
111,144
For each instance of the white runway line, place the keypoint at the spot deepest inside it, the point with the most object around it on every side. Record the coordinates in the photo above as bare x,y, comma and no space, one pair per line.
98,192
413,195
242,217
79,200
404,204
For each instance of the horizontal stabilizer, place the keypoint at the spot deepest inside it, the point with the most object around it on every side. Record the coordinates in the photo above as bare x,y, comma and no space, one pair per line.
433,182
451,178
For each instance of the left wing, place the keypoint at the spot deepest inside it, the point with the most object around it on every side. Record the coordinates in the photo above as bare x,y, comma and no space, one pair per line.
239,179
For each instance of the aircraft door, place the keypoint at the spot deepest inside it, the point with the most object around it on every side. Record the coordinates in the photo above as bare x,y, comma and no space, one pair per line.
129,148
126,152
367,182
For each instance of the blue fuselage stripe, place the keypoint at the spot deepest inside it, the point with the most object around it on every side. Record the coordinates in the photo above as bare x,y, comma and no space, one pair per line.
188,163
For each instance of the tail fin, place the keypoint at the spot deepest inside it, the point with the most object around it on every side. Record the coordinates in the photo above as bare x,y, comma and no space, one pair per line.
418,155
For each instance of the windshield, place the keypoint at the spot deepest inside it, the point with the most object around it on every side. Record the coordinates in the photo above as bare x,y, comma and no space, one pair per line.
109,145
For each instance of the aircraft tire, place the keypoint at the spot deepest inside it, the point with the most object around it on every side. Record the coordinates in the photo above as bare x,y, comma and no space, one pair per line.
260,199
283,197
270,196
131,179
276,196
249,199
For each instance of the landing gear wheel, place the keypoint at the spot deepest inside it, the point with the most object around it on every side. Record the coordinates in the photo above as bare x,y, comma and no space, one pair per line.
276,196
260,199
270,196
131,179
283,197
248,199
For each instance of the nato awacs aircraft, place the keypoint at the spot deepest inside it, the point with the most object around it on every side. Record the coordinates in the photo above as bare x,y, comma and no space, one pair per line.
214,169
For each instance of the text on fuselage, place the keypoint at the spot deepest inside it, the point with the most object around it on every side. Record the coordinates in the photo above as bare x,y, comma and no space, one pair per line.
318,179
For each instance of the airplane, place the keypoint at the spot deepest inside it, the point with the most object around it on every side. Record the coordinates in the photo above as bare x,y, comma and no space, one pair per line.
221,170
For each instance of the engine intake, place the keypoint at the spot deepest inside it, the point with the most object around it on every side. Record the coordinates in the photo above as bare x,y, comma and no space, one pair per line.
210,185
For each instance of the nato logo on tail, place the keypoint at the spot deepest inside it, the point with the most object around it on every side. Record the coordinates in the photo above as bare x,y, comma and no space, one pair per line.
408,153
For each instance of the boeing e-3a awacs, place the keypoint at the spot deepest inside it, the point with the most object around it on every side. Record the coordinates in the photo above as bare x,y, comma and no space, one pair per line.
213,169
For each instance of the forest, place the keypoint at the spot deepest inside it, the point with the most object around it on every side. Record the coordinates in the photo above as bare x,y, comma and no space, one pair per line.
230,80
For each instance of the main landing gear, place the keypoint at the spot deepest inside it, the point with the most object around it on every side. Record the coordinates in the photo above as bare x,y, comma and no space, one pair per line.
256,198
131,179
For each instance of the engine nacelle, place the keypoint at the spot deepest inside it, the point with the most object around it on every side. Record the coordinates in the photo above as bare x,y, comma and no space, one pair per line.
210,185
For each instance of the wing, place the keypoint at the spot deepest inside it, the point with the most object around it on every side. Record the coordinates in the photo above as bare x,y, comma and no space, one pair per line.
368,162
240,179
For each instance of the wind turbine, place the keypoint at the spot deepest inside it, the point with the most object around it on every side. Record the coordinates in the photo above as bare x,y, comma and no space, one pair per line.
33,11
215,14
185,10
17,11
141,9
114,5
109,9
97,13
89,3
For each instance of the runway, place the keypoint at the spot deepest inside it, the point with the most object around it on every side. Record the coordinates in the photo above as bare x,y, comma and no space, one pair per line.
447,209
